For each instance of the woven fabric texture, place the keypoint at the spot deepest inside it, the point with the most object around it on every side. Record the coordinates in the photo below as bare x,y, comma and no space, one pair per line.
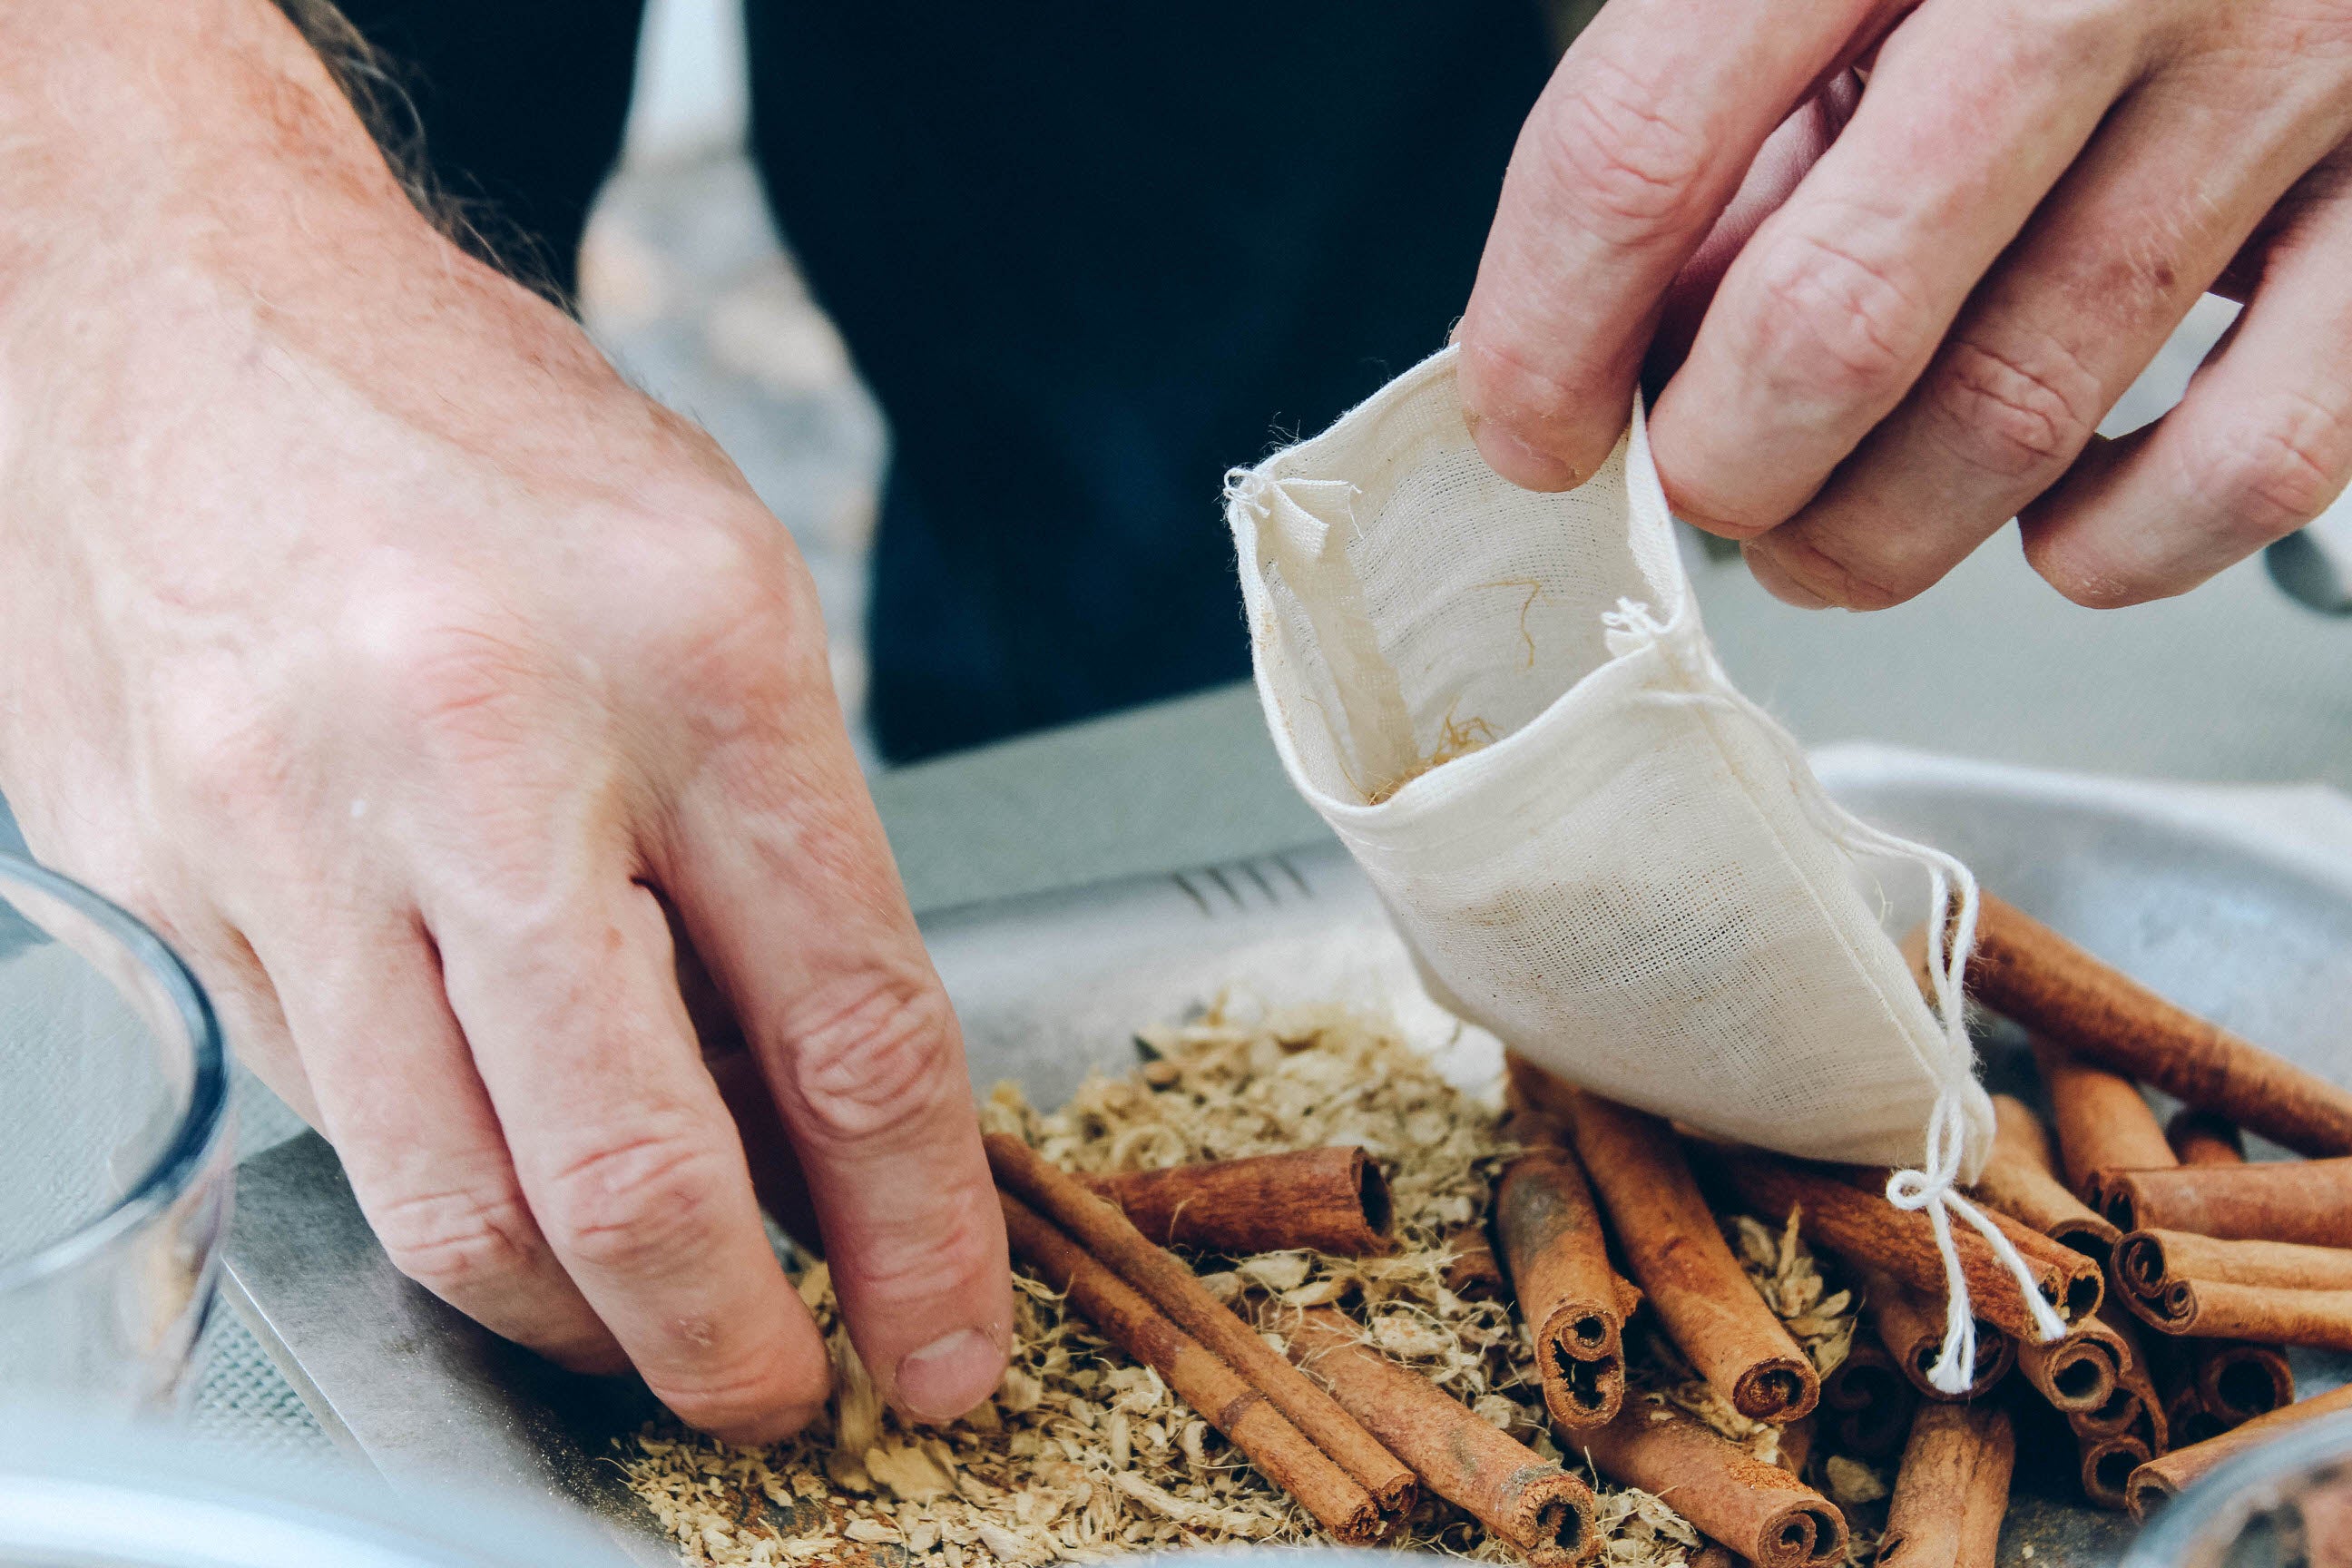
1505,704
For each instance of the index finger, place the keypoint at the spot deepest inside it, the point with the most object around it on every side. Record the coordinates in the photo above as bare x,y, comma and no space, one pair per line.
1639,141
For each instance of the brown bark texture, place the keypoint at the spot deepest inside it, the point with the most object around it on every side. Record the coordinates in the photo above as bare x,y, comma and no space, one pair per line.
2100,1121
2079,1372
1911,1326
1099,1227
2024,970
2020,1180
1837,1213
1573,1303
2273,1292
1674,1250
1471,1270
1202,1379
1952,1489
1756,1510
1525,1498
2307,1201
1866,1401
1323,1200
2200,1138
2159,1478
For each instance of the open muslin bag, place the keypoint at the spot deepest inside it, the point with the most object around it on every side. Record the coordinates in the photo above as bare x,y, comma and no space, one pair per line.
1595,846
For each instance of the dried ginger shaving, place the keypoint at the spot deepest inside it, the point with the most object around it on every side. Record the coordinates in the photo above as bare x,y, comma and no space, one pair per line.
1083,1455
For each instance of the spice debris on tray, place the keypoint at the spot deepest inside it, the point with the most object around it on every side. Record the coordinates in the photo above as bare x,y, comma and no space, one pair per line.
1082,1453
1469,1357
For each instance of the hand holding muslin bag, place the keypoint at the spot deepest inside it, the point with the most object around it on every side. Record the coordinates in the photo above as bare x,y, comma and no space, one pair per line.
1595,847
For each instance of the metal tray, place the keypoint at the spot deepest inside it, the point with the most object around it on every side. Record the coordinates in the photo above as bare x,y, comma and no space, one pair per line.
2232,903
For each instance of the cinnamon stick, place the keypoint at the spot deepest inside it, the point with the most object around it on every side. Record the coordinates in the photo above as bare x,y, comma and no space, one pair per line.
2136,1405
2237,1382
2200,1138
2275,1293
2173,1369
1952,1489
2079,1372
1837,1213
2307,1201
1756,1510
2101,1120
1573,1303
2021,1179
1098,1225
1198,1377
2108,1464
1672,1247
1325,1200
1507,1485
1911,1327
2231,1382
1868,1401
2024,970
2160,1479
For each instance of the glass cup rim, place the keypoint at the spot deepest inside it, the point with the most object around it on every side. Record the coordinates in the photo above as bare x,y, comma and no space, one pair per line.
200,1124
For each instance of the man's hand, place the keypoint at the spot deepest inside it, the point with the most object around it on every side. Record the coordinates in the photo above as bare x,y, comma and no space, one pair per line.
1919,300
423,683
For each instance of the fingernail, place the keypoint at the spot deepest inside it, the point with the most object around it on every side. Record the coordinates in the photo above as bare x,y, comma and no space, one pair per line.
1518,462
1776,581
949,1376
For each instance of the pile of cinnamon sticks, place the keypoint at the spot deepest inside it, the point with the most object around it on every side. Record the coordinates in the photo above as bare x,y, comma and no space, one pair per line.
2180,1268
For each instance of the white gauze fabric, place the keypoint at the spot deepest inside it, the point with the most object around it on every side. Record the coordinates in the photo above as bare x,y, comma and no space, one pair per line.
1620,866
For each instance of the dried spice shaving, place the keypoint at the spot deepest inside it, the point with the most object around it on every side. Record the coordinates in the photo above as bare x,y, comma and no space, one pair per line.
1082,1455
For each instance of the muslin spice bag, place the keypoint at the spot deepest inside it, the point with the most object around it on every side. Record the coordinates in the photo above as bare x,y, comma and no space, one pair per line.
1595,847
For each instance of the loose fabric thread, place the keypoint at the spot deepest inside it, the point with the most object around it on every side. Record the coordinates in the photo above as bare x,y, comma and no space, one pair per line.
1952,898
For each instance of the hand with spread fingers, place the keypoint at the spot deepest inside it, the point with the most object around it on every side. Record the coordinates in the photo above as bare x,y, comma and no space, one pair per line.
445,701
1896,262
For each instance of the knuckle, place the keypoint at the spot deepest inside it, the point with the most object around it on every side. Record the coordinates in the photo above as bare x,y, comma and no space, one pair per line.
1834,573
1628,167
1837,321
876,1059
2267,475
463,684
2014,415
234,761
448,1240
628,1204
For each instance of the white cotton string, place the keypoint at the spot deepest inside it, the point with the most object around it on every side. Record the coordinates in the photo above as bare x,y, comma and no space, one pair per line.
1952,900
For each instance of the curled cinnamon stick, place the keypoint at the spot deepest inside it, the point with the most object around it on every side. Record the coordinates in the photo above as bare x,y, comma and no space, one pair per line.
1326,1200
1105,1234
1515,1491
2101,1120
1857,1225
2200,1138
2173,1370
2275,1293
1868,1401
1669,1241
2160,1478
1573,1303
2108,1464
2079,1372
1756,1510
2021,1179
2024,970
2307,1201
1198,1377
1911,1327
1952,1489
2236,1382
